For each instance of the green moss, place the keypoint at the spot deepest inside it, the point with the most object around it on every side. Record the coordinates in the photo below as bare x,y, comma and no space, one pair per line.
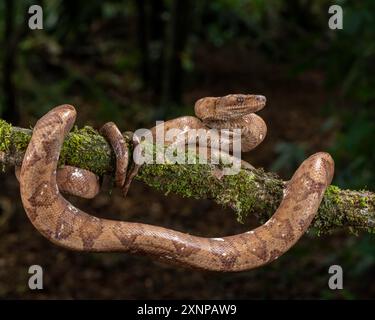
243,192
5,135
86,149
333,193
176,178
83,148
363,202
341,208
182,179
238,192
254,192
329,214
248,192
20,140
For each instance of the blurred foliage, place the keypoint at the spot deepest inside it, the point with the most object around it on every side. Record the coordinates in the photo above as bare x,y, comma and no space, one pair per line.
289,156
354,150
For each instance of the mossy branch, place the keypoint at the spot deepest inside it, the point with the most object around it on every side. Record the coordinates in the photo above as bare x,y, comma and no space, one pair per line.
249,192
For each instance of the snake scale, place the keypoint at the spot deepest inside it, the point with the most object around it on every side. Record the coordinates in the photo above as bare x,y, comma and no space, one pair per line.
62,223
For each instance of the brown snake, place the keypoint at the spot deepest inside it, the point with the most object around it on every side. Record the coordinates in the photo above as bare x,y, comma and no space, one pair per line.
65,225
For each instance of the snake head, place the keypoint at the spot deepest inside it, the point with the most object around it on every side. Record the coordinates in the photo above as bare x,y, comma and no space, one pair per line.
228,107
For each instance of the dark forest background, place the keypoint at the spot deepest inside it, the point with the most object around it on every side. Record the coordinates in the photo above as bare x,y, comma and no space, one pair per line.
138,61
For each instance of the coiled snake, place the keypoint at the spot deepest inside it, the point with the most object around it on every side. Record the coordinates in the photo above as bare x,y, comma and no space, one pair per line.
65,225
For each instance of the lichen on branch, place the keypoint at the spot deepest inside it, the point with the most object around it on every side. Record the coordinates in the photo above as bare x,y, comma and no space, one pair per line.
250,192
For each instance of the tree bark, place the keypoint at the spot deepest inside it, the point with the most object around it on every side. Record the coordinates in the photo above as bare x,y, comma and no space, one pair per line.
249,192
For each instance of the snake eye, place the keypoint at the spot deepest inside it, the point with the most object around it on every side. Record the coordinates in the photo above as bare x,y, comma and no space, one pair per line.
240,99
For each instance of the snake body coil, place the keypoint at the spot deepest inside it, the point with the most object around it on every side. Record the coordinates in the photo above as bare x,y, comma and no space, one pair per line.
65,225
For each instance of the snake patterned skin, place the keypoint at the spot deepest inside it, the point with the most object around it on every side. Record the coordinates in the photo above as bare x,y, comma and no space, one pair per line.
65,225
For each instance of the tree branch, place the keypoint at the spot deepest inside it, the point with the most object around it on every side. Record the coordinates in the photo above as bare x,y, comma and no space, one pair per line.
248,192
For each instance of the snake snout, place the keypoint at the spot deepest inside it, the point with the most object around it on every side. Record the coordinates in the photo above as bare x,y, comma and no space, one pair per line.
261,99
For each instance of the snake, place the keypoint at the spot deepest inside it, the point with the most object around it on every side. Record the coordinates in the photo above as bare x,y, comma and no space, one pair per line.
42,184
